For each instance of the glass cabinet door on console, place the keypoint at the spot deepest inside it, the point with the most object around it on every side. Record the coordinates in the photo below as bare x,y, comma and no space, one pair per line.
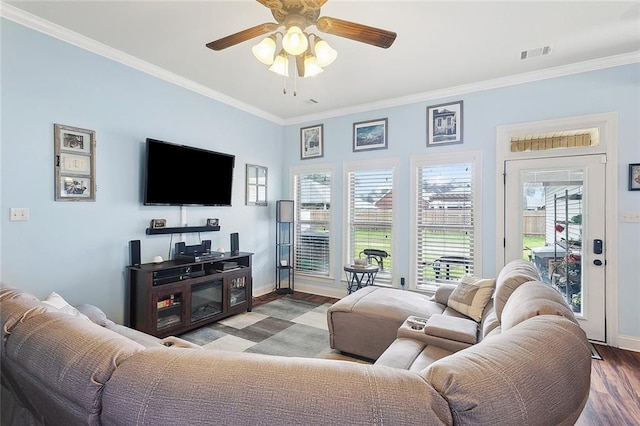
168,311
206,300
237,290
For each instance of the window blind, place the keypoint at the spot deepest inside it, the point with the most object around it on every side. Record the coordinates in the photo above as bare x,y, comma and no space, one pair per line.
313,216
370,216
445,223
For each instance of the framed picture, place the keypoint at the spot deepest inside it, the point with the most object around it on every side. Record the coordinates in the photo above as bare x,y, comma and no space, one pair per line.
75,188
74,169
311,145
368,135
444,124
634,177
256,191
213,222
158,223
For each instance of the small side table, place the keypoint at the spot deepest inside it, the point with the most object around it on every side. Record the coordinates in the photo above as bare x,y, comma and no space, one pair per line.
359,276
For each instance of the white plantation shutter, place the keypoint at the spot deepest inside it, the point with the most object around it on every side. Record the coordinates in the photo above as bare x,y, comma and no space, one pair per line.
445,222
313,219
370,216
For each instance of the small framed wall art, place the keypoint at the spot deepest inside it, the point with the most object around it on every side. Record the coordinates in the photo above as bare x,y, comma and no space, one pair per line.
311,144
74,163
634,177
368,135
256,191
444,124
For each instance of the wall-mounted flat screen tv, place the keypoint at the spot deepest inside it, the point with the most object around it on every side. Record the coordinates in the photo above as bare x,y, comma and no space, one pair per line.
178,175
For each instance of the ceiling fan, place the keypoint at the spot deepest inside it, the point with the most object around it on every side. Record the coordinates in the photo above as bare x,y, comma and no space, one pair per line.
296,16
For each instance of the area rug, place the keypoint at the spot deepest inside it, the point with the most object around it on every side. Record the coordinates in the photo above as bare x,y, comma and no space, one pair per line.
285,326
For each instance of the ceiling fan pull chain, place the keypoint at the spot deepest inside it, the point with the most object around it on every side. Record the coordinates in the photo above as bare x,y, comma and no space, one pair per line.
284,84
295,83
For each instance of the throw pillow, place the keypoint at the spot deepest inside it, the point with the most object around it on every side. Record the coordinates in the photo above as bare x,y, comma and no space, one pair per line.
471,296
55,300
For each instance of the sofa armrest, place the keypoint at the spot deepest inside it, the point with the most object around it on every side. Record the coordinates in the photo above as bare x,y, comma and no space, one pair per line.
452,328
443,292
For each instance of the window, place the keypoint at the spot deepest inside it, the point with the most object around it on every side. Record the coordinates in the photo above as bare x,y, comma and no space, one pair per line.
445,219
370,213
312,192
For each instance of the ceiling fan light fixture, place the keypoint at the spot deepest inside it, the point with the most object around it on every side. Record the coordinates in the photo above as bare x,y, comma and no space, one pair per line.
265,50
281,64
295,41
311,66
325,54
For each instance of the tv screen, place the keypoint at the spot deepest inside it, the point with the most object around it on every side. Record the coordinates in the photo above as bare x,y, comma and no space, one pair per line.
179,175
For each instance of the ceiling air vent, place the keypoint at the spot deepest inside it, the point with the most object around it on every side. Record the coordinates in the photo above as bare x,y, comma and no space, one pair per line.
540,51
311,101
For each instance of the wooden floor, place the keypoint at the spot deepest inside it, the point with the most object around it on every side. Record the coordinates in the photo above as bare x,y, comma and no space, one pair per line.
615,380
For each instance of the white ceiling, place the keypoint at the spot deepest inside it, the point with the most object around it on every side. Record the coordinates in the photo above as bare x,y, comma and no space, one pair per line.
440,45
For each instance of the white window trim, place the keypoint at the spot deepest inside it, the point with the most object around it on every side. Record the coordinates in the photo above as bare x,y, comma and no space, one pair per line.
474,157
355,166
319,168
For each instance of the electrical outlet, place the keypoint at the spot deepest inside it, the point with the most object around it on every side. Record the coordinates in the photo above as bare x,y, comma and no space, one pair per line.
630,217
19,214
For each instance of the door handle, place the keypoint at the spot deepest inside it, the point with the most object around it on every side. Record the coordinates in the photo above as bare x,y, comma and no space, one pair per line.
597,262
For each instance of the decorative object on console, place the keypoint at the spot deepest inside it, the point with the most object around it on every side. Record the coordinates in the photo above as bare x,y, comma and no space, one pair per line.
634,177
157,259
311,144
213,222
74,163
158,223
369,135
444,124
256,191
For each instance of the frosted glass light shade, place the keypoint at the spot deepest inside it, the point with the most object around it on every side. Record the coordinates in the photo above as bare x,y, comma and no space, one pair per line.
265,50
294,41
325,55
281,64
311,66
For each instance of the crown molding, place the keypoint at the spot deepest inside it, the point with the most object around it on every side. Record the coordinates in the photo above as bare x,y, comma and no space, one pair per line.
561,71
36,23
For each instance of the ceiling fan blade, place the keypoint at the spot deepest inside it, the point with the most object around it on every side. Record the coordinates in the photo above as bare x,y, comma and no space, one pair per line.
358,32
241,36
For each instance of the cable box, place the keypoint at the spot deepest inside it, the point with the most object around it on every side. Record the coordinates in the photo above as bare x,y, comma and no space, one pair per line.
228,266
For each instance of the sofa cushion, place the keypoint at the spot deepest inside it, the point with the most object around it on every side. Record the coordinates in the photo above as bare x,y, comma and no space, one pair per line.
514,274
471,296
531,299
443,292
514,378
58,302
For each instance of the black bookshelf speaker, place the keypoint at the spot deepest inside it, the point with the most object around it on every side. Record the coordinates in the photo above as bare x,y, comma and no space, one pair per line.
235,243
134,252
206,246
284,211
181,248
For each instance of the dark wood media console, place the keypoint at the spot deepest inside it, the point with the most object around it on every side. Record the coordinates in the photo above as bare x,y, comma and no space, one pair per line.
172,297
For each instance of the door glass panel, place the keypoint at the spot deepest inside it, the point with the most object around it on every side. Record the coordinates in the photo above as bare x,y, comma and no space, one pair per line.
552,228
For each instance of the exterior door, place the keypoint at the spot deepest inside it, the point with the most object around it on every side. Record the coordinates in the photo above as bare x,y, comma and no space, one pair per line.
555,218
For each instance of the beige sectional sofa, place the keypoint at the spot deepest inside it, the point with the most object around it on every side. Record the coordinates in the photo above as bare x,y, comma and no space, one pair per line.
60,368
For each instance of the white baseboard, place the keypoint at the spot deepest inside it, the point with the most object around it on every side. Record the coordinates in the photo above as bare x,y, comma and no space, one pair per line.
629,343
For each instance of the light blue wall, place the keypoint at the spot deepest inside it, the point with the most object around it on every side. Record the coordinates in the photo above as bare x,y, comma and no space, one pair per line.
615,89
80,250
